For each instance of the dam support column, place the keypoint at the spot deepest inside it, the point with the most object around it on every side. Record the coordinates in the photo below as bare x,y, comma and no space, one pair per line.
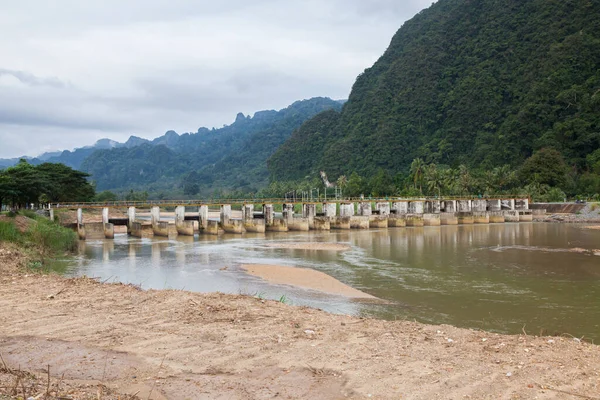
247,212
109,229
288,212
432,207
80,226
159,228
202,217
309,211
416,207
383,208
130,219
450,206
365,209
51,213
330,209
184,228
494,205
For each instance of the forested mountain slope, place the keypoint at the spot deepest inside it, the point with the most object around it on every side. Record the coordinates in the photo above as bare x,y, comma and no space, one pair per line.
476,82
231,158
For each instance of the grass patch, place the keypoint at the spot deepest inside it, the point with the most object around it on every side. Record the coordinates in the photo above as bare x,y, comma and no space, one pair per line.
9,232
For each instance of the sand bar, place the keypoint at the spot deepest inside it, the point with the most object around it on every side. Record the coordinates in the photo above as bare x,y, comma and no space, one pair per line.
305,278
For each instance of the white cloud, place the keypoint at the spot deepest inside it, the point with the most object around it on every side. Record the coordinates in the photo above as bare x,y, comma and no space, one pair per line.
74,71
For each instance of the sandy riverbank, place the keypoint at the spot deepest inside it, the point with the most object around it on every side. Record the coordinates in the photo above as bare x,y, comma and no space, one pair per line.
180,345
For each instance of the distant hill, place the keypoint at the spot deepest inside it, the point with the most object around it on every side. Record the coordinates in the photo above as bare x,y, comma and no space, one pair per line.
230,158
482,83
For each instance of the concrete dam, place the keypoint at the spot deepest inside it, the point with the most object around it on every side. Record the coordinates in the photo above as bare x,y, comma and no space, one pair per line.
260,217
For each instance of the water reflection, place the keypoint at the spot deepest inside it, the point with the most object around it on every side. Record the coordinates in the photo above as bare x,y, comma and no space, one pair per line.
495,277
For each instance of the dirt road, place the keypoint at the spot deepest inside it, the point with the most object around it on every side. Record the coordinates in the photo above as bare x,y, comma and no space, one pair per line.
108,340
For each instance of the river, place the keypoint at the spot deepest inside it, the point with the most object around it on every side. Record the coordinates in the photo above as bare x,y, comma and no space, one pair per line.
537,277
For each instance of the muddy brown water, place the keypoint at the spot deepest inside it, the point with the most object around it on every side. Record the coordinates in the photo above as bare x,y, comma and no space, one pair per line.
540,277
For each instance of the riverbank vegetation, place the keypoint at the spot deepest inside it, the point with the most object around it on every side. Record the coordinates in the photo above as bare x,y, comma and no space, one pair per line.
41,238
26,184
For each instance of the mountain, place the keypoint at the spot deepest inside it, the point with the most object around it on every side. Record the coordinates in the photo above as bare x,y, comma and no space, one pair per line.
231,158
477,82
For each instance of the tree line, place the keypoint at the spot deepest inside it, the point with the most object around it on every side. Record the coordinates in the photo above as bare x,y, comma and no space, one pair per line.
26,184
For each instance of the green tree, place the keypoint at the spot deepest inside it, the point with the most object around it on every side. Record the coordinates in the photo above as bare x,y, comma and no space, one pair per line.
546,167
416,171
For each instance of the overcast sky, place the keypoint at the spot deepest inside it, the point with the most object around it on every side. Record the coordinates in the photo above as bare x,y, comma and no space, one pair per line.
74,71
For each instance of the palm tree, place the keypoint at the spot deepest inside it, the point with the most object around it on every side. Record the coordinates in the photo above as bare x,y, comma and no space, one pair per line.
433,178
416,170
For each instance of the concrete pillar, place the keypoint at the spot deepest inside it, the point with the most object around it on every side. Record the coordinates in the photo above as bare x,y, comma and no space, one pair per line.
432,207
450,206
365,209
105,215
479,205
322,224
346,209
135,229
415,207
184,228
109,231
80,226
154,216
225,214
51,214
464,206
511,204
288,211
203,217
247,212
329,209
400,207
521,204
383,208
130,219
309,211
494,205
269,214
431,219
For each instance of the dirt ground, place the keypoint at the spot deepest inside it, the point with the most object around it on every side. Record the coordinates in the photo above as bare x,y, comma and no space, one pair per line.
113,341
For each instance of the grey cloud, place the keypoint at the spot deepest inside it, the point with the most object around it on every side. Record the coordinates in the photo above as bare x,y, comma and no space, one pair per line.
30,79
78,70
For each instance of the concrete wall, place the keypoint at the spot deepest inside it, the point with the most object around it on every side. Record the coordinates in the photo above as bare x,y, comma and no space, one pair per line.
94,230
414,220
136,229
233,226
431,219
288,212
450,206
225,214
383,208
247,212
496,216
494,205
479,205
511,216
400,207
558,208
465,218
255,225
269,214
278,225
416,207
359,222
203,215
340,223
330,209
109,231
522,204
309,211
130,218
212,227
365,209
397,220
378,221
161,228
298,224
346,209
183,227
154,216
525,216
463,206
322,223
448,218
481,217
432,207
